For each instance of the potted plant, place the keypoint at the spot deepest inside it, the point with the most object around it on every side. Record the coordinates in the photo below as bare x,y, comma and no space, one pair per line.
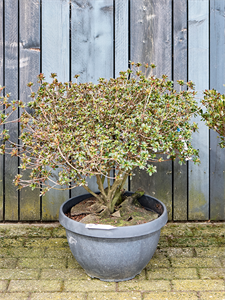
214,113
106,130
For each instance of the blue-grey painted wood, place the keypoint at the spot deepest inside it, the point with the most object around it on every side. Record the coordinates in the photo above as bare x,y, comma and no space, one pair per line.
151,33
55,38
92,48
180,72
151,42
1,84
217,79
11,83
93,56
55,59
121,36
29,68
121,40
92,39
198,72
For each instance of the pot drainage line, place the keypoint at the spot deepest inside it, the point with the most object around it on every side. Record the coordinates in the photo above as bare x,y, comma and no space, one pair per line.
198,295
29,296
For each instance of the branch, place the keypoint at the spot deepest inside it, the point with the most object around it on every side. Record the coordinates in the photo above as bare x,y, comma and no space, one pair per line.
100,185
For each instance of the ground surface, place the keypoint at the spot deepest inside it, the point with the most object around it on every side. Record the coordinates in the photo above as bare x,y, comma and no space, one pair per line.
36,263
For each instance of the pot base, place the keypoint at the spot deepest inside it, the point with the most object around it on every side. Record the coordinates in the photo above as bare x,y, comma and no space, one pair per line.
113,280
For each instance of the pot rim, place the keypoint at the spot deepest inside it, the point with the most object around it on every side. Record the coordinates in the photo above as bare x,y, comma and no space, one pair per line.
116,232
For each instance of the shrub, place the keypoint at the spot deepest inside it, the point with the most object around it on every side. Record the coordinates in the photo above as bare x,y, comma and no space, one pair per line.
214,113
89,129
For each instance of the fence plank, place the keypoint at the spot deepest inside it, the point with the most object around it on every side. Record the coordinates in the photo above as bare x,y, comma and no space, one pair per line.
92,39
121,36
92,48
151,42
180,72
217,79
29,68
100,48
55,59
1,84
11,83
121,40
198,70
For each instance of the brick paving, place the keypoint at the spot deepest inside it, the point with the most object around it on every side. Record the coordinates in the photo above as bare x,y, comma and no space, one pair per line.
36,263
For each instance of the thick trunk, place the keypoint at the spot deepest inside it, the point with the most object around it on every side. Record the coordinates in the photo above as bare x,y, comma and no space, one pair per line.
115,192
110,196
114,201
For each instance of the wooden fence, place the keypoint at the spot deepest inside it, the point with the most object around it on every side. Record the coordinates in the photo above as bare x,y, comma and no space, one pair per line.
97,38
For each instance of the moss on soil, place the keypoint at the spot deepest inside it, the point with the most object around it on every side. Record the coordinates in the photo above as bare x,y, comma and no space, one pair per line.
130,214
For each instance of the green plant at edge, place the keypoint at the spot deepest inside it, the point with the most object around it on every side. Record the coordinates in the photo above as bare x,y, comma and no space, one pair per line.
214,113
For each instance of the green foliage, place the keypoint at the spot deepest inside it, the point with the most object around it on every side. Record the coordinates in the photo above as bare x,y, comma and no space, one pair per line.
214,113
89,129
7,107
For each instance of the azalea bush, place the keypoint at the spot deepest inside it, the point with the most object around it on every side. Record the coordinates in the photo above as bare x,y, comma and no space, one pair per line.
7,108
87,129
214,113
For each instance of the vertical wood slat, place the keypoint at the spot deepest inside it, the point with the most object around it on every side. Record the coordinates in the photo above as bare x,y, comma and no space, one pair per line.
92,49
217,79
29,68
11,83
121,36
121,41
198,72
1,84
55,59
151,42
180,72
92,39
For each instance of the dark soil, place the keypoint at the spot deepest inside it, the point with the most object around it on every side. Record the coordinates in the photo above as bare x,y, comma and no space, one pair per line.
129,215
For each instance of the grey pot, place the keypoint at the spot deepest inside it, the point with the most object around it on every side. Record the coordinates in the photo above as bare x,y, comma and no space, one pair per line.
115,254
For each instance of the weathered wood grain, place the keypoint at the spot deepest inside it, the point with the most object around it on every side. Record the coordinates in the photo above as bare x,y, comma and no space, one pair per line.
92,39
151,42
151,32
55,59
121,36
11,83
1,84
95,54
121,40
180,72
217,79
92,48
55,38
29,68
198,72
